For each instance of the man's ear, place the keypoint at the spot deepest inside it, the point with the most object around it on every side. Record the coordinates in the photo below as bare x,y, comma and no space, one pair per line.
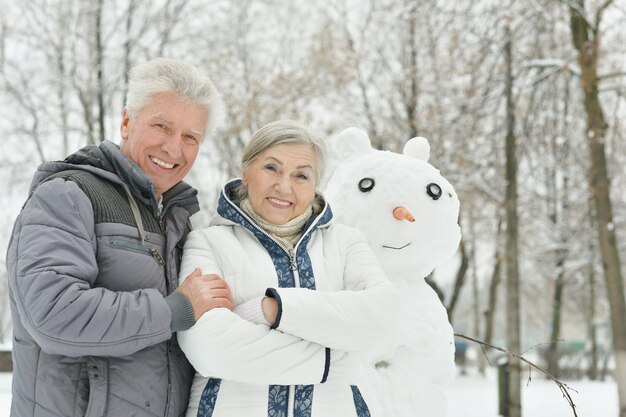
125,125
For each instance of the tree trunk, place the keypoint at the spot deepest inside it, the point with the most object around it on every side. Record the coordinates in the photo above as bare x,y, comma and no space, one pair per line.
493,287
128,45
3,33
553,354
459,281
363,84
560,225
586,42
593,371
514,403
411,100
60,65
100,70
493,297
476,295
87,116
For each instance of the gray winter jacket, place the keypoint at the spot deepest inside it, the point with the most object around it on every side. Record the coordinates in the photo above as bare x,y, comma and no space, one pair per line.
89,271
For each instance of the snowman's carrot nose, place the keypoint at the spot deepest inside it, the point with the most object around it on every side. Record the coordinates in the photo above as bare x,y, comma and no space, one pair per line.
402,213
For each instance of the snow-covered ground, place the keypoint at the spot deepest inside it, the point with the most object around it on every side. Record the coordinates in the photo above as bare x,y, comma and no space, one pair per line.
5,393
474,396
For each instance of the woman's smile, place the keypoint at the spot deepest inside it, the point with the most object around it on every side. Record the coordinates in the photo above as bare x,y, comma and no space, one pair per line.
279,203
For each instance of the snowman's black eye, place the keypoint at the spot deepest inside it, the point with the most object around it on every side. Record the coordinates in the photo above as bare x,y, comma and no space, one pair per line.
433,190
366,184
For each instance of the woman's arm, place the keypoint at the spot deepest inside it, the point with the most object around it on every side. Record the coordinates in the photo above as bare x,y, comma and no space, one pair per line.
222,344
362,317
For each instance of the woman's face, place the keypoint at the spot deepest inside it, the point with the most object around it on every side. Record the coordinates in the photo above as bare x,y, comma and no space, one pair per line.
281,182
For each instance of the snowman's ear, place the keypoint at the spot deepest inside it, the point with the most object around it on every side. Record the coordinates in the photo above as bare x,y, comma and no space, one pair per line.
347,144
351,142
417,147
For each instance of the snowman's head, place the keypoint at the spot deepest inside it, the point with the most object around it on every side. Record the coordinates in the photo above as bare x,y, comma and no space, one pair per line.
407,210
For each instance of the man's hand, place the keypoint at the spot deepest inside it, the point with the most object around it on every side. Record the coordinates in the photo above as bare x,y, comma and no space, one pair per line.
206,292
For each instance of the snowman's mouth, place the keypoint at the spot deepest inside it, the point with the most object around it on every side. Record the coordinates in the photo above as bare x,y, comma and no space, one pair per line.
396,248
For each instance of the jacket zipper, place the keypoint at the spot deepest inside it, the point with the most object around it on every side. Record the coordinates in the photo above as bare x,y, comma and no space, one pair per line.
292,260
161,220
290,400
293,265
169,378
157,256
296,280
139,248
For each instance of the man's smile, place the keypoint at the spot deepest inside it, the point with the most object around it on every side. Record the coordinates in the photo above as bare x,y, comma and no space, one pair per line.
161,163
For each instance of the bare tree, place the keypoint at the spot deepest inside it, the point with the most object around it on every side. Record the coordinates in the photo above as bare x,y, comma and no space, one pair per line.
494,284
3,35
14,83
514,400
593,371
586,40
99,66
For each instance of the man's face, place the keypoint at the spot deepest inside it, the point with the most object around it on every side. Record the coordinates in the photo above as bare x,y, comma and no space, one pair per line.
164,138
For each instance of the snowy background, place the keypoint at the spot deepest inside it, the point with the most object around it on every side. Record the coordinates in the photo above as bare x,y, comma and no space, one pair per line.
397,69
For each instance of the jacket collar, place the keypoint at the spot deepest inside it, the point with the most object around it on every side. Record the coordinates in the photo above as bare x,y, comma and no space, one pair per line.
108,161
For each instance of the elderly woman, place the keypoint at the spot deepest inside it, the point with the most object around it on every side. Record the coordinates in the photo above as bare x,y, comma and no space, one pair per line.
311,299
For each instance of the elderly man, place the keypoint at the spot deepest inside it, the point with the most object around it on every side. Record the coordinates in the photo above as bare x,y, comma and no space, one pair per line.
94,256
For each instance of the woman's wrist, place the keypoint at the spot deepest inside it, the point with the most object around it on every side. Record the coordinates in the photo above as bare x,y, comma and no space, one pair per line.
270,309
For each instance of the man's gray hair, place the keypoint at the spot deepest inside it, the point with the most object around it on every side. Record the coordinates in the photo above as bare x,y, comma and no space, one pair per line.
282,132
162,75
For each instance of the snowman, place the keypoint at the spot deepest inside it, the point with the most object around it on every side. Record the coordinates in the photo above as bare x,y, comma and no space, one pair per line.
409,214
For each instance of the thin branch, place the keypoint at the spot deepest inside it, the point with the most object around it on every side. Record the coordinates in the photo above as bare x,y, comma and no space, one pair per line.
601,10
564,388
611,75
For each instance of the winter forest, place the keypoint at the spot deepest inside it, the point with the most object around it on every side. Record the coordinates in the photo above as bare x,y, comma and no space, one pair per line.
523,103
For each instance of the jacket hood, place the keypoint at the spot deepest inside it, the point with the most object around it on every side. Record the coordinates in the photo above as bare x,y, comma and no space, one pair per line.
108,161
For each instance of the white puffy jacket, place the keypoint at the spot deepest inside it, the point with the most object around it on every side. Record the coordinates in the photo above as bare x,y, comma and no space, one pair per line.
335,304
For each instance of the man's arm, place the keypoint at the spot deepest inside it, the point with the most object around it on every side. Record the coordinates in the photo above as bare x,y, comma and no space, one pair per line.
53,267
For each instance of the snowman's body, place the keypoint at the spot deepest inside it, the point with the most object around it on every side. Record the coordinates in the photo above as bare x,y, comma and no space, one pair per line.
365,191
